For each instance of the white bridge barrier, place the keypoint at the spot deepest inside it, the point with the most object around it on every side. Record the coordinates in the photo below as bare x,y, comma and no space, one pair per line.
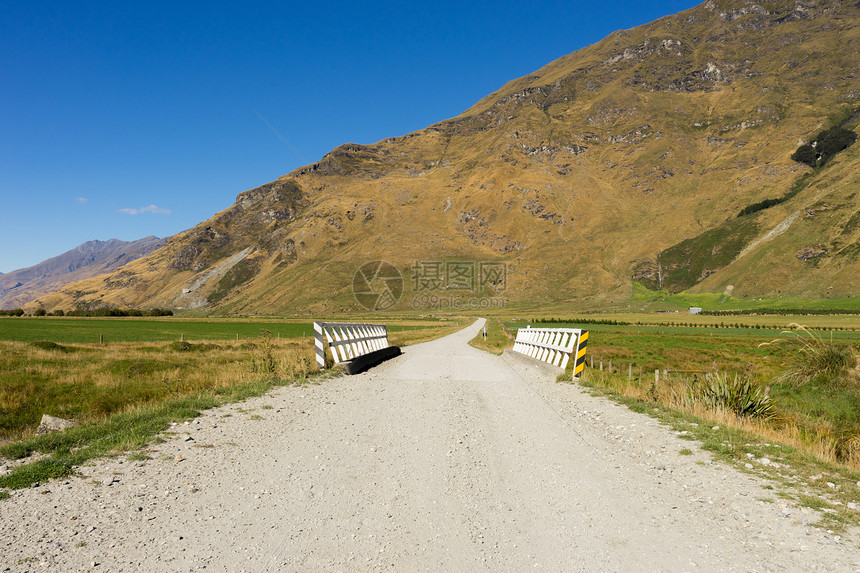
348,340
554,345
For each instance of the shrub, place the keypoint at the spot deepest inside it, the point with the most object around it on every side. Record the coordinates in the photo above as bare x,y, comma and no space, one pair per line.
805,154
814,357
265,361
760,206
719,391
825,145
114,312
160,312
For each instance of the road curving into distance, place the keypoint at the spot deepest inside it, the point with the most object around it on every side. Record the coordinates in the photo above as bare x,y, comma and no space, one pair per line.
443,459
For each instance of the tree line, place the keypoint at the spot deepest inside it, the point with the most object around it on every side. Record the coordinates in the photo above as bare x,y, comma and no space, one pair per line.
781,311
95,312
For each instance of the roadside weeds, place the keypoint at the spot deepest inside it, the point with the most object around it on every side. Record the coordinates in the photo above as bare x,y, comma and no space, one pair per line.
797,476
60,454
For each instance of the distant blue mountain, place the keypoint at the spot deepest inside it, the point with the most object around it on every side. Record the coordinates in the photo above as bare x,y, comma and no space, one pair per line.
92,258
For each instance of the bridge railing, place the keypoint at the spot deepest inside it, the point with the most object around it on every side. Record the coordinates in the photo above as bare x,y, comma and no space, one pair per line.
348,340
554,345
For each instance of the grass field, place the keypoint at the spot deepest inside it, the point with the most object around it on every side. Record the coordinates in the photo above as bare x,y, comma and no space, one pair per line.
842,325
821,411
654,300
809,439
64,330
124,394
92,381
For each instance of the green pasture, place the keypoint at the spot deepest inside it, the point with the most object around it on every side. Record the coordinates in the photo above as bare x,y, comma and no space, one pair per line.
90,330
824,409
657,300
700,347
843,327
651,348
65,330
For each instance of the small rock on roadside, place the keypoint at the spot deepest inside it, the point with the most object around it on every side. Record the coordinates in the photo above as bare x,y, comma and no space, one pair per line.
52,424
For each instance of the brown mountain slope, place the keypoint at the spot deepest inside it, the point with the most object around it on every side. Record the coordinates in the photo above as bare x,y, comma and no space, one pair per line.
574,176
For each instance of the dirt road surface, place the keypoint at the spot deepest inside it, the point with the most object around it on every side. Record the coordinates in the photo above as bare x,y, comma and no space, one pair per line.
443,459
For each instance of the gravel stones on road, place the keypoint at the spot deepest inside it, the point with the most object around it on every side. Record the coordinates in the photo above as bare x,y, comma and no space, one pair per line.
443,459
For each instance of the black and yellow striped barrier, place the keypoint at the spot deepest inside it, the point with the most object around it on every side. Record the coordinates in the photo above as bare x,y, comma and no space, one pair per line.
554,345
581,346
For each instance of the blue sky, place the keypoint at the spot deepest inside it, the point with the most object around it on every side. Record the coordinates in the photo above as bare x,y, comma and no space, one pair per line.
122,120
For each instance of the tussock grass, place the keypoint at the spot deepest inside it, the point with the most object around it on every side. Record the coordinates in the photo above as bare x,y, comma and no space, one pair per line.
65,451
813,357
820,437
92,382
801,462
96,381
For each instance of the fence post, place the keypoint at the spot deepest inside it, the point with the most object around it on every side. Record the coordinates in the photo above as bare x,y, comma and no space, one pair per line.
610,366
630,372
601,364
101,338
657,376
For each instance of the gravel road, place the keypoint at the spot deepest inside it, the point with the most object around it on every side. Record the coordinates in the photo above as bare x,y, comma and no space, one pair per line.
443,459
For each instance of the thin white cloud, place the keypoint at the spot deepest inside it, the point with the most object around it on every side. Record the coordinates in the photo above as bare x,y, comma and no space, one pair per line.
148,209
82,200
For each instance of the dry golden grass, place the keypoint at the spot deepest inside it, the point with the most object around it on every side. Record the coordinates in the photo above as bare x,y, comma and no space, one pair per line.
819,439
90,382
